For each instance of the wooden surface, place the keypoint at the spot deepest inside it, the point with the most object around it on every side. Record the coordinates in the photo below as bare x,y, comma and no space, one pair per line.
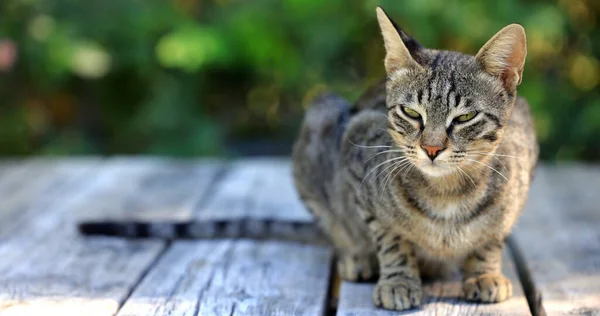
235,278
559,238
440,298
255,188
150,189
46,268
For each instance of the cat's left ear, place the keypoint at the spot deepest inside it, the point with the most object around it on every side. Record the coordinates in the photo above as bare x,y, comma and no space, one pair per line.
504,54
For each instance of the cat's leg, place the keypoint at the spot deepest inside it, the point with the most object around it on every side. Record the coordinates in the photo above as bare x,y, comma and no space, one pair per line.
482,275
399,286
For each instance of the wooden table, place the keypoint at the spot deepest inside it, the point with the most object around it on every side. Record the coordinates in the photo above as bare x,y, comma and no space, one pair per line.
47,268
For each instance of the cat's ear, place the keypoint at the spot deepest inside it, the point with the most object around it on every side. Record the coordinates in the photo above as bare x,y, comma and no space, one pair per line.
398,45
504,54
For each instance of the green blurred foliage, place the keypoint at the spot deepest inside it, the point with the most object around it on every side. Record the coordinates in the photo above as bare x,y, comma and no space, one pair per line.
204,77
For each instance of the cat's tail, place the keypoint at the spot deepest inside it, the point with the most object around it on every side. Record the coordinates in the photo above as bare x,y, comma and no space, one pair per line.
260,229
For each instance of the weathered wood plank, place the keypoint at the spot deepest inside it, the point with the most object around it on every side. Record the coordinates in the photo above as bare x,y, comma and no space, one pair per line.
48,268
239,277
441,298
559,238
258,189
63,275
150,189
30,189
7,170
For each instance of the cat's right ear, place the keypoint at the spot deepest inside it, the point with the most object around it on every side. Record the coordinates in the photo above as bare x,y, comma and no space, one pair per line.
397,54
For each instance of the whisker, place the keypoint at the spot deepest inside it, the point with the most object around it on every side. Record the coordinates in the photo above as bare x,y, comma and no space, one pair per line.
388,177
459,169
388,167
498,172
406,164
368,146
476,168
462,176
492,154
410,166
385,151
495,157
387,161
500,161
380,188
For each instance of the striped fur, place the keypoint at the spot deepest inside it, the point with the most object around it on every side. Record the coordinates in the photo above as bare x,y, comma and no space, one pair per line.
239,228
381,200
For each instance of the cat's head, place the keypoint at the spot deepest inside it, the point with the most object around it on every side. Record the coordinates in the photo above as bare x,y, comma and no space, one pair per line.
446,108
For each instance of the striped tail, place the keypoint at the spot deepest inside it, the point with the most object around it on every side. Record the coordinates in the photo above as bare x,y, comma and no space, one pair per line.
304,232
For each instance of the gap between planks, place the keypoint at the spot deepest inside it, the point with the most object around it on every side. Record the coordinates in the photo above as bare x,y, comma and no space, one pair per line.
559,237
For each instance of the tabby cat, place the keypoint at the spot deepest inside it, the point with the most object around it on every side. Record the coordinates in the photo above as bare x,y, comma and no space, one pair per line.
428,172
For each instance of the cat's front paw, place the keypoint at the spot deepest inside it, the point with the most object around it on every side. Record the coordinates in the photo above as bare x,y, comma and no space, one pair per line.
398,295
358,267
487,288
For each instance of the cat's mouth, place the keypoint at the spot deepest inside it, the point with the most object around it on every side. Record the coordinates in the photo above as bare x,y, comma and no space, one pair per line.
435,168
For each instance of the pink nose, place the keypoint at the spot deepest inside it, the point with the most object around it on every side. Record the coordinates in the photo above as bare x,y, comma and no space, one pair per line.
432,151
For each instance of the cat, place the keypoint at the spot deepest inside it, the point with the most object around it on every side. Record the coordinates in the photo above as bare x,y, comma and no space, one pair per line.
428,172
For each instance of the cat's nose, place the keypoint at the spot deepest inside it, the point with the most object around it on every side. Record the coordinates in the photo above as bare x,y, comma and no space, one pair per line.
432,151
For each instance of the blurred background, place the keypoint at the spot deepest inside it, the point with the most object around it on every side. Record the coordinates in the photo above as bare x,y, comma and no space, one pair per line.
190,78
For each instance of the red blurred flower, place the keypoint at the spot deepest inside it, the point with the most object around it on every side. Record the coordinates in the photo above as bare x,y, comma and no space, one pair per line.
8,54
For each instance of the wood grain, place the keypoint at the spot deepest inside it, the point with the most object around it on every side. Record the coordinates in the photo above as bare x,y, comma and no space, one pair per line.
255,188
256,198
150,189
441,298
559,238
46,267
9,170
34,187
239,277
66,275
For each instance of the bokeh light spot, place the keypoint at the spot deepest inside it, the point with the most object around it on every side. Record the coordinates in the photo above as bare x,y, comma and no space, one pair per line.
90,60
8,54
188,48
41,27
584,72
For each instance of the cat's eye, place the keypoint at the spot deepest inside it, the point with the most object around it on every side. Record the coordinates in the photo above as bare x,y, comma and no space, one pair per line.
411,113
465,117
